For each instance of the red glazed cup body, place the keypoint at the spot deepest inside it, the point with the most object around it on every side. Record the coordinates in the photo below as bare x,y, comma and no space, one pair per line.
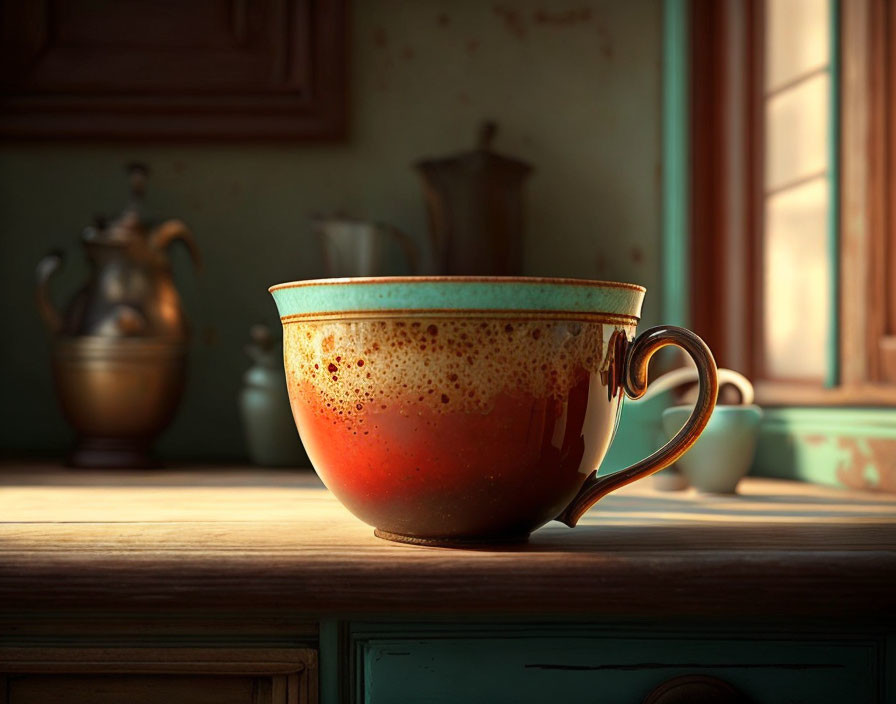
455,427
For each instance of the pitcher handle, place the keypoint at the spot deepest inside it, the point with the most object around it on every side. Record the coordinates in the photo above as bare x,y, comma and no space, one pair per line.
408,246
46,268
634,382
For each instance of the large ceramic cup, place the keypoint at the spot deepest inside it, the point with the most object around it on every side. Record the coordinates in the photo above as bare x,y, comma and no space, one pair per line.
443,410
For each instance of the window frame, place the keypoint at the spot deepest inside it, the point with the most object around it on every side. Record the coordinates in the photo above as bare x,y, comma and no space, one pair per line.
726,194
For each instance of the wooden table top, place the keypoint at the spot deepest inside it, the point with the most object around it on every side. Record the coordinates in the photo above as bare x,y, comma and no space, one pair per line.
263,540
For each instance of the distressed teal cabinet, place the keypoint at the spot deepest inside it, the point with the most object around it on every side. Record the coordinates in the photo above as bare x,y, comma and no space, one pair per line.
498,665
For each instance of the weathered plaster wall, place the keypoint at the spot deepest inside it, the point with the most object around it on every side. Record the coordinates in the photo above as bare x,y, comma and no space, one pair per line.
575,89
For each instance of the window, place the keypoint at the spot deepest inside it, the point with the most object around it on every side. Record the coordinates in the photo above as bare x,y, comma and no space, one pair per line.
795,191
793,195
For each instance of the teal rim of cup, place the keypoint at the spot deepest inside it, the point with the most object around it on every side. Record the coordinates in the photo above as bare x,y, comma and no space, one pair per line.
468,295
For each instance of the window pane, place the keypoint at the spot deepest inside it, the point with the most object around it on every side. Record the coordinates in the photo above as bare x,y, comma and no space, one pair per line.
796,35
796,132
795,273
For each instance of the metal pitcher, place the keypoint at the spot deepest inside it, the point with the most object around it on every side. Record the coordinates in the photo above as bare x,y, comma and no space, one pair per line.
119,348
358,248
475,205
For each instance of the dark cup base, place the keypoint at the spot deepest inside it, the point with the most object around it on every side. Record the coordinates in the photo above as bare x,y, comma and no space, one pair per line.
112,453
461,543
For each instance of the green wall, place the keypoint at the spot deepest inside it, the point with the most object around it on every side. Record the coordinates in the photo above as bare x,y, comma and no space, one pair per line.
577,94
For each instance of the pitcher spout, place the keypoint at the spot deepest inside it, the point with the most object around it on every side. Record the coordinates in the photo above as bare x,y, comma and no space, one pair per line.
175,230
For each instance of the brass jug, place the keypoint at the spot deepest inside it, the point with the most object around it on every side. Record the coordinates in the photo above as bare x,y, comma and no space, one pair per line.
119,348
475,206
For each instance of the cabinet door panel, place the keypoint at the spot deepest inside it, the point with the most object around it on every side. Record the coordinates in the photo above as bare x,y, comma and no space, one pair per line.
492,669
158,675
133,689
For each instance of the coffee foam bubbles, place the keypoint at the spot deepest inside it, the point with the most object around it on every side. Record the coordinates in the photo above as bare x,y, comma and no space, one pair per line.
346,369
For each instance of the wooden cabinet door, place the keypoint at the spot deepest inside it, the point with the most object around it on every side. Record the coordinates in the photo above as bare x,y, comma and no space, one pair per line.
158,676
166,68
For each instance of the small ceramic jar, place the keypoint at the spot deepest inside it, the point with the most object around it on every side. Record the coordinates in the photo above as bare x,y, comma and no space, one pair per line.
270,431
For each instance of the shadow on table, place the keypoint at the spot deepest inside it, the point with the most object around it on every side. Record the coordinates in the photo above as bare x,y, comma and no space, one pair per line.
36,473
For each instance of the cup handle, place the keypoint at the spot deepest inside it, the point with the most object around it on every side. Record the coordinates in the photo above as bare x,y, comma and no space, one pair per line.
634,382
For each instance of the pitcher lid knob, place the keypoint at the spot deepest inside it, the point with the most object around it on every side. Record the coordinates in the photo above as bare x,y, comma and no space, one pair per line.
487,132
